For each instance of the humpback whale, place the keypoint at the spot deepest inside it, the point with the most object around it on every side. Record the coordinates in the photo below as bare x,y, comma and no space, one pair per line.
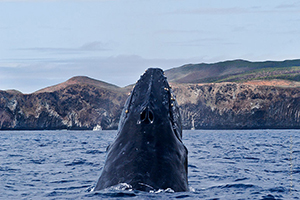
148,152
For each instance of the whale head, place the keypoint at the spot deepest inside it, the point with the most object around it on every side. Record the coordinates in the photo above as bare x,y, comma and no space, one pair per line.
148,153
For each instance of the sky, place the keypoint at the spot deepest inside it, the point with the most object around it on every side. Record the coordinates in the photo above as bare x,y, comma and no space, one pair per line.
46,42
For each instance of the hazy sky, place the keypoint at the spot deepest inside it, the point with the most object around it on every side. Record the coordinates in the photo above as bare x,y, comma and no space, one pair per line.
45,42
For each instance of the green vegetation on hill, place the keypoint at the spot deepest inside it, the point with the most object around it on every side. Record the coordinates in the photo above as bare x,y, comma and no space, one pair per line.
235,71
287,73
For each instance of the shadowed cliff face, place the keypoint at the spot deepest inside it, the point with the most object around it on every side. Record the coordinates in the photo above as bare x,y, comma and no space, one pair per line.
73,107
235,106
212,106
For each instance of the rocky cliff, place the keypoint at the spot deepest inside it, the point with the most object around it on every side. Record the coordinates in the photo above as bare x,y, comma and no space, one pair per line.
83,103
238,106
80,103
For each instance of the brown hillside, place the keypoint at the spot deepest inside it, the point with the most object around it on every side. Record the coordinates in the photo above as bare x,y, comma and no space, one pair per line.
81,80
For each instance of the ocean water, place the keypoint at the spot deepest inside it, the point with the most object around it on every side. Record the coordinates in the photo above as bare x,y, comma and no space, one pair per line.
223,164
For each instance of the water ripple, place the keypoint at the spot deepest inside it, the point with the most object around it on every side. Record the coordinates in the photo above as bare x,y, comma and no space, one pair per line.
227,164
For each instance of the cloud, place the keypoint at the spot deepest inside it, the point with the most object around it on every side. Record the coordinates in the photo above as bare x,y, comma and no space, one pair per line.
287,7
213,11
220,11
217,41
94,46
184,32
49,0
91,46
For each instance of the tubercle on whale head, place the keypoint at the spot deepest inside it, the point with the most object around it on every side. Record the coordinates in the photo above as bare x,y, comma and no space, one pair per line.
152,100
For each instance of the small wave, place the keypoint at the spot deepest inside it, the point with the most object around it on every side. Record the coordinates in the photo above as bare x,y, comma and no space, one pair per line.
9,186
251,158
232,158
72,149
121,186
182,196
192,166
15,155
240,179
120,190
37,161
77,161
43,145
73,187
276,171
90,188
111,194
7,169
30,185
94,152
54,193
213,176
268,197
277,189
168,190
129,188
270,161
192,189
263,145
296,171
237,185
62,181
243,148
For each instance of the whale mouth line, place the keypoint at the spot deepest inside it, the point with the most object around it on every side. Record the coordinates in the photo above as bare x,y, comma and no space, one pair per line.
147,116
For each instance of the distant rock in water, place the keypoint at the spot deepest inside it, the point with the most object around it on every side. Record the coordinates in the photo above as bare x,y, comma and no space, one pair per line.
84,103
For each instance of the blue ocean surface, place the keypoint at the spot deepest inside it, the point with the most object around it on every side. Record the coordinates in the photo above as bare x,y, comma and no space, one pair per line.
223,164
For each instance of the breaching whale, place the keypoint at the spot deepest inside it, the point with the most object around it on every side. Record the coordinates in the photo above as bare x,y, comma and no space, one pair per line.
148,153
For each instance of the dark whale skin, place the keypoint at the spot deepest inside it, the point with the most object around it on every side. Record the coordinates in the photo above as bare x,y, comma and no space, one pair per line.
148,152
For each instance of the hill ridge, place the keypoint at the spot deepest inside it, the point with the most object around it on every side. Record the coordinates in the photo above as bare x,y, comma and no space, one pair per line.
79,80
238,70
